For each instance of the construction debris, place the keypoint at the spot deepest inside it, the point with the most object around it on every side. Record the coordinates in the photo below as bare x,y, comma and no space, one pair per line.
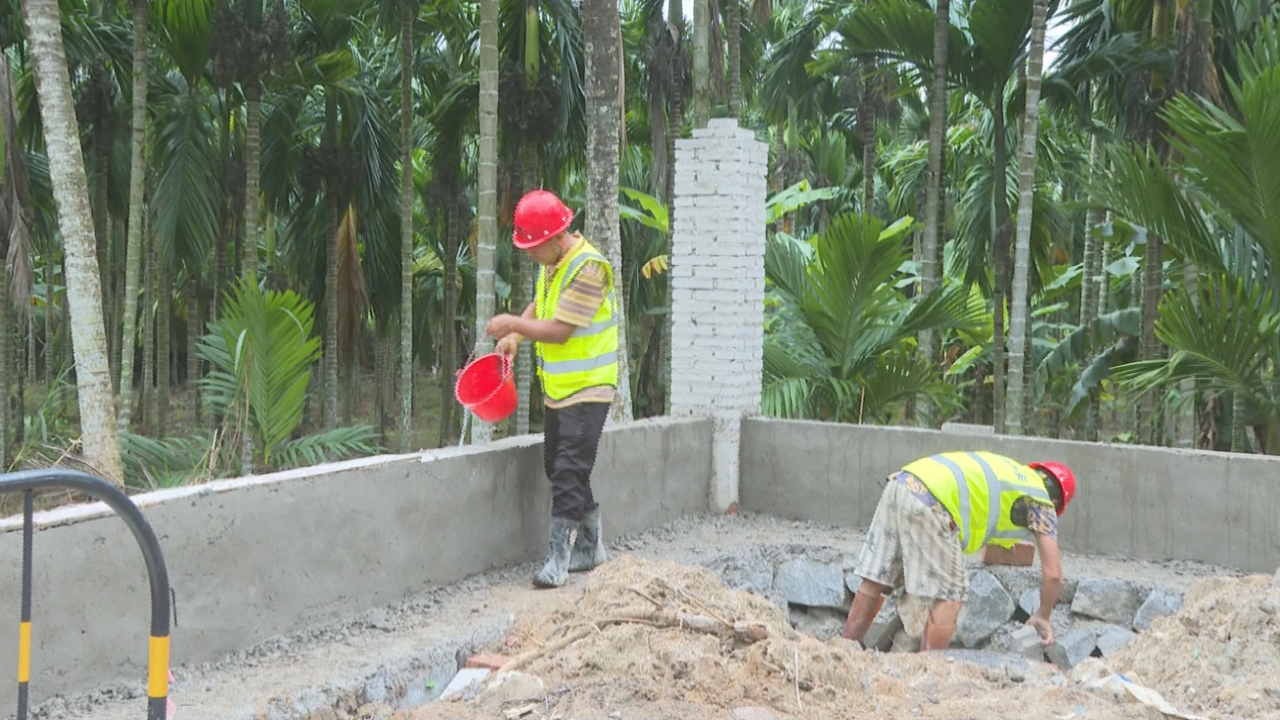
659,639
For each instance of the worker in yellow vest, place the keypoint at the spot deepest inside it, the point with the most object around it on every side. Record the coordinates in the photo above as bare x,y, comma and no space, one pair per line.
937,509
574,326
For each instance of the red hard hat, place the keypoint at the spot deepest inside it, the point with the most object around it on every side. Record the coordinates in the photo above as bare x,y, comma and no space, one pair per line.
539,217
1066,479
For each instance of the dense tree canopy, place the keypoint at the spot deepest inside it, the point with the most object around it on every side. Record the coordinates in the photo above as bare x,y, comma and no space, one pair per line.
293,230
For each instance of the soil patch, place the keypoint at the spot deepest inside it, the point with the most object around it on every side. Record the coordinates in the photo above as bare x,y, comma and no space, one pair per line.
1219,656
655,639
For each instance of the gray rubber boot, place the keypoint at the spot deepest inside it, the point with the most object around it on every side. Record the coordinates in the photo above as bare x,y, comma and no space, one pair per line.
556,569
589,550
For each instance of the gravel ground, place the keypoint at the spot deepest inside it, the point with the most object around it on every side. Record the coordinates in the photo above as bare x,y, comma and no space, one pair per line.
414,642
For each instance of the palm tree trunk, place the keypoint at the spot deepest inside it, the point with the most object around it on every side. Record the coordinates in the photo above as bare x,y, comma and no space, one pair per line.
331,360
930,259
193,360
51,327
675,126
146,413
449,323
523,275
102,245
600,31
701,63
6,336
733,36
71,190
867,131
164,344
1000,250
249,248
406,225
137,186
487,230
252,176
1091,282
1018,325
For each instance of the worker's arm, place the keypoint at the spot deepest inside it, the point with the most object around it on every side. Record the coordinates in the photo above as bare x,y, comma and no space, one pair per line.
528,326
1050,584
577,305
509,343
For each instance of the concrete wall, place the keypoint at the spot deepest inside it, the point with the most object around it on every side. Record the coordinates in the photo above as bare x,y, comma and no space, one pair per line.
257,557
1138,502
717,288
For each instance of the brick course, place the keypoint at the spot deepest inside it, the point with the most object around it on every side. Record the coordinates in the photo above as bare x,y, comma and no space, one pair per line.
717,288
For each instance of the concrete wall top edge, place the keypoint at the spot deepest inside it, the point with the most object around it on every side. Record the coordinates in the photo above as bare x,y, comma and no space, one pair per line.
975,440
1146,503
81,512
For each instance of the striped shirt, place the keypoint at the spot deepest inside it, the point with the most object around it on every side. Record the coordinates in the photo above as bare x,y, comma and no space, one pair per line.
578,305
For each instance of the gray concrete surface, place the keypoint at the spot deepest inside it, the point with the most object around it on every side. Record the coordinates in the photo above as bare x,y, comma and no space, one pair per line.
257,557
389,653
1139,502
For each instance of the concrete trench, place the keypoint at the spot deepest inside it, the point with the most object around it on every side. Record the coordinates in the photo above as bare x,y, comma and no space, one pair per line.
301,590
813,582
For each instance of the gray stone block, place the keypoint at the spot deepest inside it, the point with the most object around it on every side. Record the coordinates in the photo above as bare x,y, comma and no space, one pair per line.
1114,638
1160,603
989,607
821,623
814,584
1078,644
1026,642
1113,601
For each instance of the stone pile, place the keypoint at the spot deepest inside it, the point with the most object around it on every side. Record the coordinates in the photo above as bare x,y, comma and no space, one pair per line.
815,585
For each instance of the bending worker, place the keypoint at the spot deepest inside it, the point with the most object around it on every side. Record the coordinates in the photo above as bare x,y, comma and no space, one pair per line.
937,509
574,327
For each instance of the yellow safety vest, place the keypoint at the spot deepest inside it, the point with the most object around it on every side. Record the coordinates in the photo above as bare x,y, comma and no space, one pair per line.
966,482
589,357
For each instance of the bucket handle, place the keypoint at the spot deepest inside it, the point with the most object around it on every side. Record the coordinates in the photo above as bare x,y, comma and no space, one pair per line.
508,368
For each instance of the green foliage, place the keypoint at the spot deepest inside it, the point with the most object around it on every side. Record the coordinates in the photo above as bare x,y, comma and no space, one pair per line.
1119,327
1227,336
842,345
261,351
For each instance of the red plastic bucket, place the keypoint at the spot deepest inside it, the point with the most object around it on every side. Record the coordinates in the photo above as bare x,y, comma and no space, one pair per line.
487,388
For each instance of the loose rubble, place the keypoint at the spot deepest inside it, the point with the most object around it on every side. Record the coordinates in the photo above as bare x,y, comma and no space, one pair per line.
381,665
660,639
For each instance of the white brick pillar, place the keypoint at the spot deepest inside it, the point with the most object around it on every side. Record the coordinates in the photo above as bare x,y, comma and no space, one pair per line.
717,287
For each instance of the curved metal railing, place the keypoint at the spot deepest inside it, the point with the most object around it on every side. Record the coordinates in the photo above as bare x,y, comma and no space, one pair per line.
27,482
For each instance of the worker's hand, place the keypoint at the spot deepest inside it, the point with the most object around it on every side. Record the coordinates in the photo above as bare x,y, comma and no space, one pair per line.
1043,629
502,325
508,345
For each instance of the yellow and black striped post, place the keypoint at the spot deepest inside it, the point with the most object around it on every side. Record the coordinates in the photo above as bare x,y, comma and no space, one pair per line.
158,652
24,620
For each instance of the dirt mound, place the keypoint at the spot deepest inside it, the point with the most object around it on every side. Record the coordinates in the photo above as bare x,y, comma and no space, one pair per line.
659,639
1219,655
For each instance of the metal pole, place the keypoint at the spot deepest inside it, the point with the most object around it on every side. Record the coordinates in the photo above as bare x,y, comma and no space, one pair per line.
24,620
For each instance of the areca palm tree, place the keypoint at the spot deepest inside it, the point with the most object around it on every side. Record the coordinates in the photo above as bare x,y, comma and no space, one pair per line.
488,187
93,379
1022,246
842,344
601,31
982,60
1223,220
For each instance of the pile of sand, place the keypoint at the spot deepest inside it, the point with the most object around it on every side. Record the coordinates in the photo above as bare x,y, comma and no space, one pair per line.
1219,656
659,639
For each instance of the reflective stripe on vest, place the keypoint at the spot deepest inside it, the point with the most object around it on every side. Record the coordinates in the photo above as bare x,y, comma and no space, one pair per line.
980,497
589,357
